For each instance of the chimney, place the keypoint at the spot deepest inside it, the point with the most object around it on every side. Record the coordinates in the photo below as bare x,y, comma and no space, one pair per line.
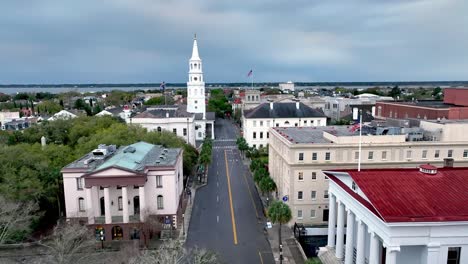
355,113
167,114
43,141
297,105
448,163
271,105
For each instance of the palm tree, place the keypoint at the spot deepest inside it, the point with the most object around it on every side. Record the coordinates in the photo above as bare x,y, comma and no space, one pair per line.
242,145
279,212
267,185
260,174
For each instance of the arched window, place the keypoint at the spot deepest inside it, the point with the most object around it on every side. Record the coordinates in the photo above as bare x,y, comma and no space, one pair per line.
286,123
195,78
191,66
195,65
159,129
81,204
160,202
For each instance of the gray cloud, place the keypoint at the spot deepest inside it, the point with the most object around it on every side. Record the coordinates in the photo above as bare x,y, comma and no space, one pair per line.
53,41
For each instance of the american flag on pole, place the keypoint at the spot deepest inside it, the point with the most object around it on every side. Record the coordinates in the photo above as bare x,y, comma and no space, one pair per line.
355,127
250,73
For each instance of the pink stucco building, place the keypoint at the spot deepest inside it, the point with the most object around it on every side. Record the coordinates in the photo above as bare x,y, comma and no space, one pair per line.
117,190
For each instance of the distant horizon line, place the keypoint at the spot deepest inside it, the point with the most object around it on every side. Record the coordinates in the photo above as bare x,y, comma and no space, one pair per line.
175,84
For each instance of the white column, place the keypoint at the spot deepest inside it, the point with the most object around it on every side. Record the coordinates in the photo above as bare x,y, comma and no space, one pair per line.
331,220
374,248
142,203
340,231
349,238
433,251
89,206
107,208
125,204
360,254
212,131
390,258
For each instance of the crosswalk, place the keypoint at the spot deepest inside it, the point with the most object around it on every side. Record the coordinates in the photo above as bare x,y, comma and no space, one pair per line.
225,140
225,147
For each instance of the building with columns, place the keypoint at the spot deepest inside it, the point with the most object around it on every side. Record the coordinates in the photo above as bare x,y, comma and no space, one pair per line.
299,155
190,121
117,189
402,216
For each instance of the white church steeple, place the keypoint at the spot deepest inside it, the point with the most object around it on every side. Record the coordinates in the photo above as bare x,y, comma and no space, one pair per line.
195,55
195,84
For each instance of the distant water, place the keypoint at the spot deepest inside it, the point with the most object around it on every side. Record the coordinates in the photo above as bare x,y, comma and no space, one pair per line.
56,90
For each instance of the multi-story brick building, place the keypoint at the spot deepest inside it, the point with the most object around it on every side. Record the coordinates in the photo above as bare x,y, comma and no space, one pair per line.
454,106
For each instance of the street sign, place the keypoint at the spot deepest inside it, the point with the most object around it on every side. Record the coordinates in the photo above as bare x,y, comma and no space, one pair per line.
285,198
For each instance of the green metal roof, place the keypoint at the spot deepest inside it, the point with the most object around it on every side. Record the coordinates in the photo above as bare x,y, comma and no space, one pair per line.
129,160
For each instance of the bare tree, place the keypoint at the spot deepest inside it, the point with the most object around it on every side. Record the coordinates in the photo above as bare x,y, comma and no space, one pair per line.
174,252
14,216
203,256
69,243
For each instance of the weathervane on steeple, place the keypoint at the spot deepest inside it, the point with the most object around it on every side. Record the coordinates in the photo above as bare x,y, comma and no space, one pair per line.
195,37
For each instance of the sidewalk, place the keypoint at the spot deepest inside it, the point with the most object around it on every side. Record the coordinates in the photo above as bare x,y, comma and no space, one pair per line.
292,251
189,205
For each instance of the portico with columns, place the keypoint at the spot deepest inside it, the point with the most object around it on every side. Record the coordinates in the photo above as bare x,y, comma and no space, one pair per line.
117,193
359,231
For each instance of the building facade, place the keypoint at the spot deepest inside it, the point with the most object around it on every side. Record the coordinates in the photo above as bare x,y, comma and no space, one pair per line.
257,122
454,106
169,118
299,155
117,190
402,216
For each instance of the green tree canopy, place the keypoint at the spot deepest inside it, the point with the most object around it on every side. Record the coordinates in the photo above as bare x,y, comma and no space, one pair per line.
160,100
280,213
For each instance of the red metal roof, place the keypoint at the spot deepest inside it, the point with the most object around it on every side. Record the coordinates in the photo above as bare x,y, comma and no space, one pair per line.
408,195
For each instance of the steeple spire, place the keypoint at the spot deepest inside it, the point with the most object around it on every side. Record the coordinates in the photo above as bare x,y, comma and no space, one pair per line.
195,55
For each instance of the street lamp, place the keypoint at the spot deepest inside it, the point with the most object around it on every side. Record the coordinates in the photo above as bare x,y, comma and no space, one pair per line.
101,236
281,253
183,224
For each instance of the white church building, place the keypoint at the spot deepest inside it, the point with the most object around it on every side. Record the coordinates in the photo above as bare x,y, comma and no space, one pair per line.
190,121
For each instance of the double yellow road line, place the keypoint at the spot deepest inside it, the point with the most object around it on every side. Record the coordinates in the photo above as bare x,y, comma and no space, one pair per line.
233,219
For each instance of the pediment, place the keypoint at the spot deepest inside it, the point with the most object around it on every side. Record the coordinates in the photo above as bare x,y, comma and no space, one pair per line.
112,172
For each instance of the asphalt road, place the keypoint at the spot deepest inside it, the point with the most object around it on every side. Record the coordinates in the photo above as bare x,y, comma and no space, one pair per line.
227,215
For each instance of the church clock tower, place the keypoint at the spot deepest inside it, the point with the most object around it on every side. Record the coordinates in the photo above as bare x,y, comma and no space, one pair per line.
195,84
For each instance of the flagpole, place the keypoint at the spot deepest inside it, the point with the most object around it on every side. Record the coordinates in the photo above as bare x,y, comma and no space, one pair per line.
360,139
252,80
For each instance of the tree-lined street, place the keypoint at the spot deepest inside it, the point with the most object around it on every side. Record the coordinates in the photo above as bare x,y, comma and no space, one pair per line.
227,215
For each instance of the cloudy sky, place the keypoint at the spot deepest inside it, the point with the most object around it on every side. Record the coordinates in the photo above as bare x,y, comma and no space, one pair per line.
115,41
